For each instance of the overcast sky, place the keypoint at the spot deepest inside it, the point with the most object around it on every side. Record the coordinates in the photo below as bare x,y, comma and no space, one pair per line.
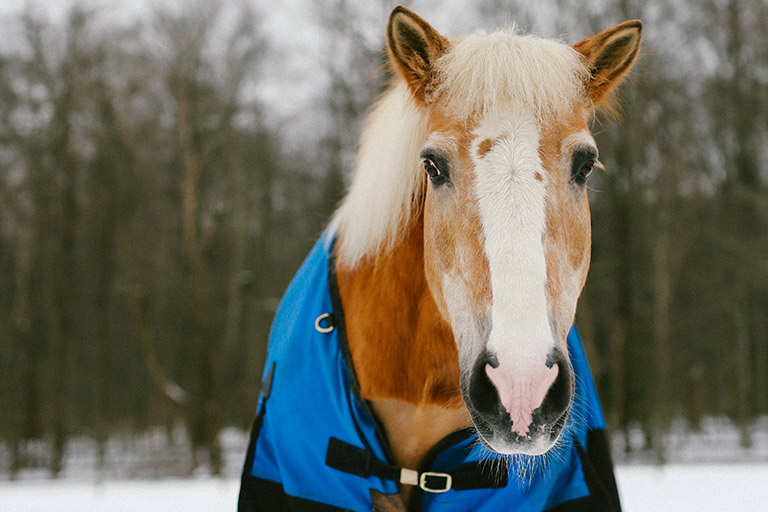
57,7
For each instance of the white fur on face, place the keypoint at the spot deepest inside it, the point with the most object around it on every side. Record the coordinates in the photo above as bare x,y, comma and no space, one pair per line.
512,205
465,326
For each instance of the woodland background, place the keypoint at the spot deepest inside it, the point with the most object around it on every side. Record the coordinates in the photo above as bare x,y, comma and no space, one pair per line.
163,175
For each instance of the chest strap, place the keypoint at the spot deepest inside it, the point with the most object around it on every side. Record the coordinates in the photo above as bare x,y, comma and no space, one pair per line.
473,475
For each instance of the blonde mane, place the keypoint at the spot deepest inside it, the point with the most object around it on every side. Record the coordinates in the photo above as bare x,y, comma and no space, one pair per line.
480,73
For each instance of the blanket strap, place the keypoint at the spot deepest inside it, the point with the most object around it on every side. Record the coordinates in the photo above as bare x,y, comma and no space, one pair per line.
358,461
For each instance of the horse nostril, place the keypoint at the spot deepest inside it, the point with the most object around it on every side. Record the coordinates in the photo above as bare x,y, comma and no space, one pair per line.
492,359
559,396
480,390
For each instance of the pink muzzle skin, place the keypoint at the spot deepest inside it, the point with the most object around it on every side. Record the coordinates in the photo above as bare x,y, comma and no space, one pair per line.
521,393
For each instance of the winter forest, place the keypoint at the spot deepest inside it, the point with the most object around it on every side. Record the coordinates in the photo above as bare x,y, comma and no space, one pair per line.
164,173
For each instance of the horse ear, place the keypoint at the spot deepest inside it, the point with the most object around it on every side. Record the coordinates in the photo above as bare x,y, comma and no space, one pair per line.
413,47
610,54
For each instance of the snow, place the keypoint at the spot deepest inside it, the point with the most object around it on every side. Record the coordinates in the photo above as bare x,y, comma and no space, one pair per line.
700,488
193,495
673,487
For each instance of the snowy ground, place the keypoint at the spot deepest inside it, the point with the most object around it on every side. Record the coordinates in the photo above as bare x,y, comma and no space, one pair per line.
694,487
674,487
193,495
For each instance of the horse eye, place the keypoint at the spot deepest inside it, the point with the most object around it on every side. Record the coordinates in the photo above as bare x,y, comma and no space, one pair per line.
586,169
436,176
584,162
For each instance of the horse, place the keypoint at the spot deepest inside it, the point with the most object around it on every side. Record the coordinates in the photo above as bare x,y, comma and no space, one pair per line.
451,270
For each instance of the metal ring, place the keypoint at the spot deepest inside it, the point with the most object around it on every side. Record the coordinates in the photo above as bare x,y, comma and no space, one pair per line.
320,328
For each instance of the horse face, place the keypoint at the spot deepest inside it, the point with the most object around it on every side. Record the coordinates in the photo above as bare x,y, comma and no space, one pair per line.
506,222
506,236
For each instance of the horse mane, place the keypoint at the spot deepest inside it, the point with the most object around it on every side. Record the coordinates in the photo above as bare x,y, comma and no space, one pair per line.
387,184
479,73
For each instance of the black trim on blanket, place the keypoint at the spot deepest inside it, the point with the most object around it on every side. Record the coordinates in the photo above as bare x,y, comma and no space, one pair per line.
246,500
598,473
599,452
341,331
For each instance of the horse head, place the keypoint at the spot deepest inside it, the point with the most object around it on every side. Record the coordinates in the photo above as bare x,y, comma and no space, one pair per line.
505,160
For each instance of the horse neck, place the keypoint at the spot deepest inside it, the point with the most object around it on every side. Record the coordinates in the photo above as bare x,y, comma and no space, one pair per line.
401,347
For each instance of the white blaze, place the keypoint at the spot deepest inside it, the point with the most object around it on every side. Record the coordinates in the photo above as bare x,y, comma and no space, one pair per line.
512,208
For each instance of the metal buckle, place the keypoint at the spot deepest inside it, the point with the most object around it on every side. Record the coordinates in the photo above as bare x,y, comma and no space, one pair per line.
423,482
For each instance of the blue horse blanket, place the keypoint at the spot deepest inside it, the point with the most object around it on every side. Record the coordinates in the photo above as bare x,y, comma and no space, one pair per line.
309,405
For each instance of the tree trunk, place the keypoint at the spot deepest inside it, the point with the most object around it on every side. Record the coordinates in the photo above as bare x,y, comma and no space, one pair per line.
738,356
205,412
661,327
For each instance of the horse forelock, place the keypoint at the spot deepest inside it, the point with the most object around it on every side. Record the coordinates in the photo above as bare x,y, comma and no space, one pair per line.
486,72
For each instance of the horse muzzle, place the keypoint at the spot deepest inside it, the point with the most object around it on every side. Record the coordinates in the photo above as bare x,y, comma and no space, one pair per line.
519,406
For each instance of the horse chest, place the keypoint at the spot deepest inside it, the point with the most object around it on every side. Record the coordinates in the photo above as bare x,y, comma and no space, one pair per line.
413,430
